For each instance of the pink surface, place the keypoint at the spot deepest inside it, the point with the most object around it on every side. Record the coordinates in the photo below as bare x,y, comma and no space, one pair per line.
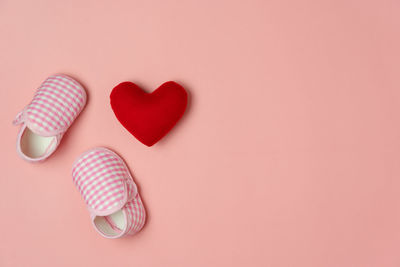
288,154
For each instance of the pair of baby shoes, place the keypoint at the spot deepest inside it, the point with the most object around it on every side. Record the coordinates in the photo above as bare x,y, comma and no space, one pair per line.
100,175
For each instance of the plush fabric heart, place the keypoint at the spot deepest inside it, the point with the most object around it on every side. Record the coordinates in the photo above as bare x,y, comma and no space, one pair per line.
148,117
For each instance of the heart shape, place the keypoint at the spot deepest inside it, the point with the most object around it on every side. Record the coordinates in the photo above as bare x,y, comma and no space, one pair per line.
148,117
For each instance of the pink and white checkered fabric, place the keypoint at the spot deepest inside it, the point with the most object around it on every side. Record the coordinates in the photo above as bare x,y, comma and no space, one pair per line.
106,185
55,105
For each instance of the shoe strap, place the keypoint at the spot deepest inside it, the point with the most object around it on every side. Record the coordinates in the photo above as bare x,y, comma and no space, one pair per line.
131,189
19,118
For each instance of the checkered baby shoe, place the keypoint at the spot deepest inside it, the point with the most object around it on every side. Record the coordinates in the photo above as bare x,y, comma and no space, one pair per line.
54,107
111,196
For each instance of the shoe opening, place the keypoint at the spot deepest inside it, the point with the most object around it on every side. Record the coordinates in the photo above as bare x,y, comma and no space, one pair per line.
35,146
112,225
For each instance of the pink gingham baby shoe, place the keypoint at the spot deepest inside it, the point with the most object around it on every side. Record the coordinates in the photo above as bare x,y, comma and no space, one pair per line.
54,107
110,193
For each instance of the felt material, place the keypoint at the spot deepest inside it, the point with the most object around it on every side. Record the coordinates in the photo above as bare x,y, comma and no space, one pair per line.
148,117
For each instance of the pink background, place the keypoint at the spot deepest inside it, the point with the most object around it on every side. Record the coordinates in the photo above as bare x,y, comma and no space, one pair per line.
287,156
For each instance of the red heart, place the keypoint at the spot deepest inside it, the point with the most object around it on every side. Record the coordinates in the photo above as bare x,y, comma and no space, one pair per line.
148,117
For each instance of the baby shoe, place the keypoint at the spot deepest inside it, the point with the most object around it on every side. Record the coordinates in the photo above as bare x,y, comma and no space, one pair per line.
111,196
54,107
